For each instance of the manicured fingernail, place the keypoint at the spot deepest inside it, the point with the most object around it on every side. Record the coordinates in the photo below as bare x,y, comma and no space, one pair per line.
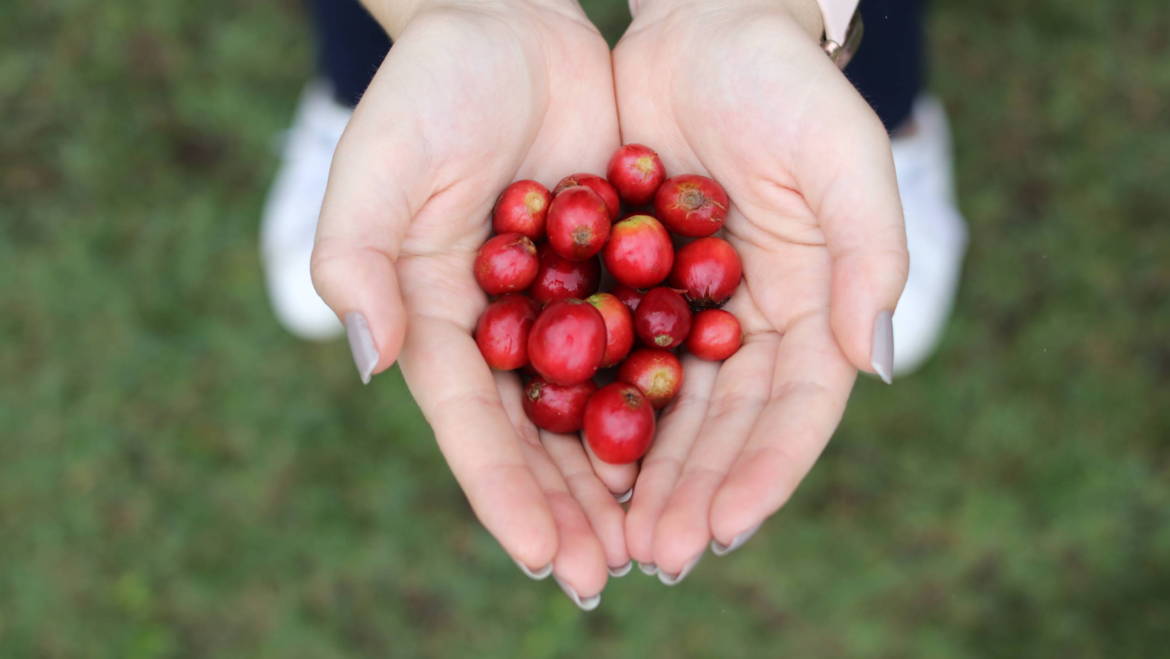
668,580
587,604
624,497
361,344
882,352
722,550
539,575
621,571
648,569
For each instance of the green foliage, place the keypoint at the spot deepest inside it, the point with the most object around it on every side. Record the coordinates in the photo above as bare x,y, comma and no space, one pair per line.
179,478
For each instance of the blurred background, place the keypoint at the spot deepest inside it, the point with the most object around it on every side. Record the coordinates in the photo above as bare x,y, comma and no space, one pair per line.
180,478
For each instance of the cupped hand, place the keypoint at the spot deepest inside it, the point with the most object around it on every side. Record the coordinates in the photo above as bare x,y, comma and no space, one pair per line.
472,96
741,90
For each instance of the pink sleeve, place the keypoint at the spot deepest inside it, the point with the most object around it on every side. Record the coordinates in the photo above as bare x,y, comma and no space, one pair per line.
837,14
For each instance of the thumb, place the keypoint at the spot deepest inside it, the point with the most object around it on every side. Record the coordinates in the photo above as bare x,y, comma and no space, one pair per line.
376,185
358,281
852,189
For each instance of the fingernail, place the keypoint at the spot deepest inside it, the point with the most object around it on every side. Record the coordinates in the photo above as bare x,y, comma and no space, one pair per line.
621,571
882,352
648,569
668,580
361,344
587,604
622,498
722,550
539,575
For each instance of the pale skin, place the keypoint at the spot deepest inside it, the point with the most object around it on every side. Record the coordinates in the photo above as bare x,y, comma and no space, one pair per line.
476,94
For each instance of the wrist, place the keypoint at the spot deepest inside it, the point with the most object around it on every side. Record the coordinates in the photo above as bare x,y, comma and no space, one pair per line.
806,13
395,15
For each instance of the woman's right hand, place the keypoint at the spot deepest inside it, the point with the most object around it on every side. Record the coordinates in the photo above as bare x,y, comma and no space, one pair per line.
463,105
741,90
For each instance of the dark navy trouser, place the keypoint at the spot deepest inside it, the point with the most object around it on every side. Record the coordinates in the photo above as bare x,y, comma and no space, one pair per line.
887,70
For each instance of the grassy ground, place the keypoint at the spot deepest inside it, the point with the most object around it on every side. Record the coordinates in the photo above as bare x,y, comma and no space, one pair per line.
180,478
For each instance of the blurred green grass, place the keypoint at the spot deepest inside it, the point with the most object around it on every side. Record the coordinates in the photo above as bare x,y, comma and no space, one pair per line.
180,478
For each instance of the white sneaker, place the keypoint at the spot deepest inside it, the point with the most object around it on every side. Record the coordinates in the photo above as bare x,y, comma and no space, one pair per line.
290,214
935,233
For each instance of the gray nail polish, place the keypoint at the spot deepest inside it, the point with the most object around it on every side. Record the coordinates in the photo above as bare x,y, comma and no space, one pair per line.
622,571
624,497
668,580
587,604
648,569
736,542
882,352
361,344
539,575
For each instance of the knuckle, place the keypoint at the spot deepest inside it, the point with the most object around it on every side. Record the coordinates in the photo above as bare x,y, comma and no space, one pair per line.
734,404
528,434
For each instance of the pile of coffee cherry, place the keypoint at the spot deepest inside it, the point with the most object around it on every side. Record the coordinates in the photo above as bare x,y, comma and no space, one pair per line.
544,267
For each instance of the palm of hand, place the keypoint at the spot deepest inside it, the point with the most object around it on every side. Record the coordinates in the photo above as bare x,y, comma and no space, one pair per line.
745,97
464,105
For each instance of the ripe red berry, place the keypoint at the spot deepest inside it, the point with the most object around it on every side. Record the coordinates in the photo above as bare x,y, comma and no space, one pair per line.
630,297
636,171
657,373
715,335
558,278
619,327
663,319
567,342
691,205
502,331
557,408
639,253
619,423
506,263
578,223
708,270
598,185
521,208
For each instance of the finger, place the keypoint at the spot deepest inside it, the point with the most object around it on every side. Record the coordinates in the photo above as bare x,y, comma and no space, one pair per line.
459,397
677,428
619,479
580,563
846,174
741,390
379,179
605,514
810,386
